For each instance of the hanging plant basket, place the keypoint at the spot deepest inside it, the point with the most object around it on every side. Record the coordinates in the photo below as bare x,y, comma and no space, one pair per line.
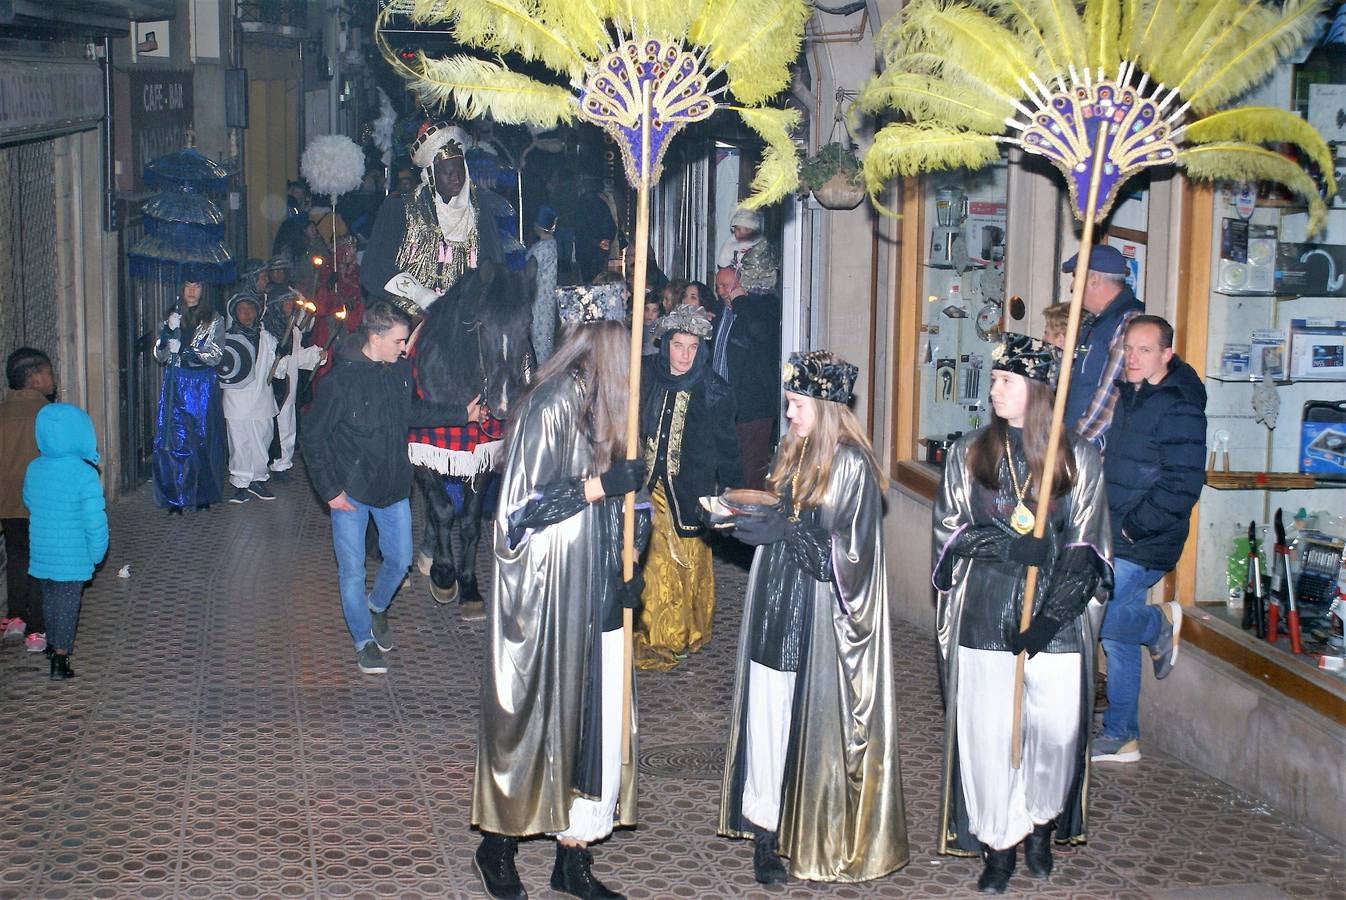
839,192
833,175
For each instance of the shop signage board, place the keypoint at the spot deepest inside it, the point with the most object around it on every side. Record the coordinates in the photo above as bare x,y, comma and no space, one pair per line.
42,98
161,107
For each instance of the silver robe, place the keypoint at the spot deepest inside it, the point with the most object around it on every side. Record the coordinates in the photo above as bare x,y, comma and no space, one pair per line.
1084,521
842,814
542,631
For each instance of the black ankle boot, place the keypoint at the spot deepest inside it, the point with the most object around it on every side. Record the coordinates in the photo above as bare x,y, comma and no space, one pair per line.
494,862
60,667
767,867
572,875
1038,850
999,867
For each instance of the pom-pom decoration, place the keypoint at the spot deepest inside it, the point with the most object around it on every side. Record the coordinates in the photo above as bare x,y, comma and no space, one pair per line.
333,165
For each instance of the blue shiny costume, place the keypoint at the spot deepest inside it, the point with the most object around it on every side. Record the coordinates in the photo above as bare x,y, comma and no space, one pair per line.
190,459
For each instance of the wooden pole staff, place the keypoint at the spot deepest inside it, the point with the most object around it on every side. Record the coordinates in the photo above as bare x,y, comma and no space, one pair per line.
633,406
1054,438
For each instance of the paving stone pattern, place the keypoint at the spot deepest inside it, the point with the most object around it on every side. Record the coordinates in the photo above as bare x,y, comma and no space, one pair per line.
220,742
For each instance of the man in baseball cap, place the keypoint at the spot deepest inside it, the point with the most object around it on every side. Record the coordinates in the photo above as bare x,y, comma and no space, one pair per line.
1109,304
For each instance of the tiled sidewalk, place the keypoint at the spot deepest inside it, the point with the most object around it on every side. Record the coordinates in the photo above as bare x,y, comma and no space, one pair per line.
220,742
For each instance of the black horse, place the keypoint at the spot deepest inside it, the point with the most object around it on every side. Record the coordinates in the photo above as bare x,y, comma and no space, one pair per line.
474,341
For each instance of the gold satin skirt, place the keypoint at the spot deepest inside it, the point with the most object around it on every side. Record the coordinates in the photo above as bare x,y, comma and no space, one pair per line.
678,603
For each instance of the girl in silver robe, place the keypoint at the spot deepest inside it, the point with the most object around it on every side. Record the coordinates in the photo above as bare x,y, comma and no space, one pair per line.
811,770
549,751
983,544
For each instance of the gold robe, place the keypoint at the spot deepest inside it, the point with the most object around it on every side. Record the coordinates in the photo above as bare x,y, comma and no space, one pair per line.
842,813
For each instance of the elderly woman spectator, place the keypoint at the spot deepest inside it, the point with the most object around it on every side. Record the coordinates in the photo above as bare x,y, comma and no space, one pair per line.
691,449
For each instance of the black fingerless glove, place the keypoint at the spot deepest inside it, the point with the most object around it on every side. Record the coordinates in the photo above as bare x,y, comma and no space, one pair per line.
1039,634
628,592
1029,551
625,476
758,528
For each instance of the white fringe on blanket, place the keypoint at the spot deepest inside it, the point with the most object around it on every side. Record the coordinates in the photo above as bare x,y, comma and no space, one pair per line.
461,463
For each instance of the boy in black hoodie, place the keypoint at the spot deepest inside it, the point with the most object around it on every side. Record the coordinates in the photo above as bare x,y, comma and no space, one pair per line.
357,460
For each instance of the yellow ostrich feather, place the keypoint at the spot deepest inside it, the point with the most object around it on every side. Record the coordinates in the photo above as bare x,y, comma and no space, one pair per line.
1053,29
925,97
1102,25
938,66
968,38
505,26
1266,125
581,21
906,149
479,87
1234,161
778,172
1238,58
754,41
648,18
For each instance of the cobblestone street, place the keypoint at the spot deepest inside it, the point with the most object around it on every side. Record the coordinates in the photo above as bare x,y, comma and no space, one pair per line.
220,742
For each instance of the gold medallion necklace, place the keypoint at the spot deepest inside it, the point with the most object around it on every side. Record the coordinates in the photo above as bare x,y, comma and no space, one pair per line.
1021,519
794,481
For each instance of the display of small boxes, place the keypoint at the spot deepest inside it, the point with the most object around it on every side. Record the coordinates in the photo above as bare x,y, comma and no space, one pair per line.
1317,349
1322,439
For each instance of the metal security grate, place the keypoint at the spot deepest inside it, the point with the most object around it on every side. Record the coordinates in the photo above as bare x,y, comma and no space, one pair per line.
28,308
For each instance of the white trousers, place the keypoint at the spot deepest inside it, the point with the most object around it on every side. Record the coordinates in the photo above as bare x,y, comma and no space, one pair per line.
591,820
771,696
286,425
1003,803
249,440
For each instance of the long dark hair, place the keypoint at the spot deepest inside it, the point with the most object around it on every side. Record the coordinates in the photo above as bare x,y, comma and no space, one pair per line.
596,353
194,316
988,448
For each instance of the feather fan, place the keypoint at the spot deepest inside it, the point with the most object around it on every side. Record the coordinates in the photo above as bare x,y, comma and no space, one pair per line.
778,172
1060,80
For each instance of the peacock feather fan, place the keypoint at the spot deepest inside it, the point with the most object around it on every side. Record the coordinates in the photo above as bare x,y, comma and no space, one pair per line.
1135,83
675,61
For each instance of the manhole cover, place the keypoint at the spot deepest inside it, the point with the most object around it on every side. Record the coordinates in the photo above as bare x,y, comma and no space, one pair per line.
701,761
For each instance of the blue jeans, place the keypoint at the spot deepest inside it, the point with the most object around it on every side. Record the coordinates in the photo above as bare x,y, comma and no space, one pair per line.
1128,622
348,539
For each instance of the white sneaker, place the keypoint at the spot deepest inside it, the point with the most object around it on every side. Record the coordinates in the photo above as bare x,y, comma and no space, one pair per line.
14,628
35,642
423,562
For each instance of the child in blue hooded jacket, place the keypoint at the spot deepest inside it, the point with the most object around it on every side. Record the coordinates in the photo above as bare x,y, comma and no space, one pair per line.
68,522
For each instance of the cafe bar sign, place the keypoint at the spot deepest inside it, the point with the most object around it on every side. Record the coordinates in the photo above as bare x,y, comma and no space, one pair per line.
44,99
161,114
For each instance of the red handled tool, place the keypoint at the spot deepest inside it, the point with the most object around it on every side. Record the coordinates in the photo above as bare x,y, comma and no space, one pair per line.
1280,573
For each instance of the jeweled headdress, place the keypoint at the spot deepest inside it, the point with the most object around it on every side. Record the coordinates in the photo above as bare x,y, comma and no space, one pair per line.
820,374
1026,356
582,304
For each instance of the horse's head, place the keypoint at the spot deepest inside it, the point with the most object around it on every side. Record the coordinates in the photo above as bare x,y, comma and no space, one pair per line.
476,339
505,315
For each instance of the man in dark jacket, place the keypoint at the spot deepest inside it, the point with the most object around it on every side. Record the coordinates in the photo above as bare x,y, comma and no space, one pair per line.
746,353
1155,468
357,459
1108,306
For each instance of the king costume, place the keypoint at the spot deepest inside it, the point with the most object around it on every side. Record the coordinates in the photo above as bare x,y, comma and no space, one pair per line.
422,244
813,697
987,807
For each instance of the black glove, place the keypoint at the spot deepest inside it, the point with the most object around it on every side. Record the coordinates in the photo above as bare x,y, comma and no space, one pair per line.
625,476
1039,634
628,592
758,528
1029,551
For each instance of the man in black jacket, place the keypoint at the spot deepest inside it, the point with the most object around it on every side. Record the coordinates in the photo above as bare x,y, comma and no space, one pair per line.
357,459
745,352
1155,468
